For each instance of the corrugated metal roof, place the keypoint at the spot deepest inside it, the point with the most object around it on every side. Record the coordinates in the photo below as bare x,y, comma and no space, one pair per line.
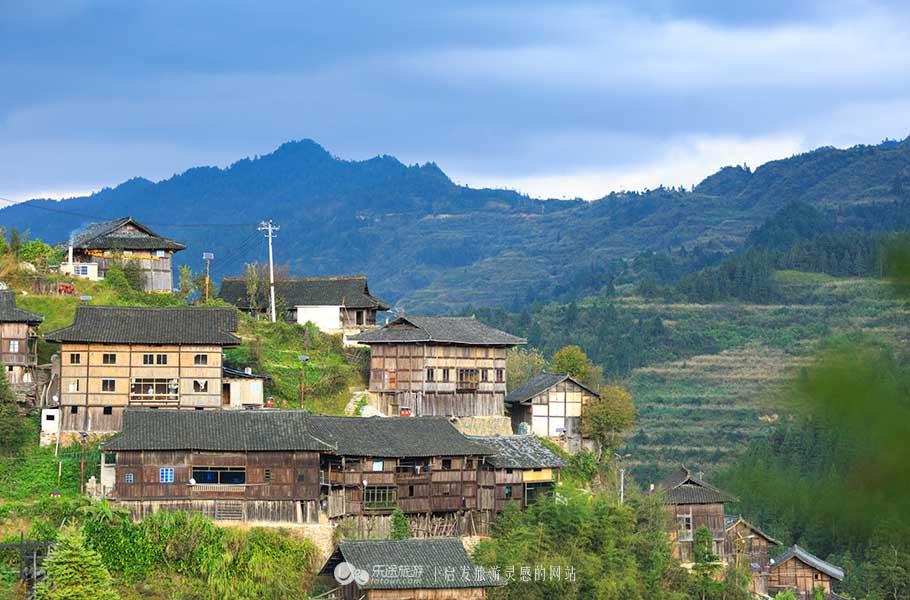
142,325
443,330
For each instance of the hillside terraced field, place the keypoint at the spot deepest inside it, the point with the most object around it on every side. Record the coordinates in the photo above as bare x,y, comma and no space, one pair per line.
704,409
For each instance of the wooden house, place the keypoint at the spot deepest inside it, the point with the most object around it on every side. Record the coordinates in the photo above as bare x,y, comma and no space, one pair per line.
801,572
336,305
748,547
413,569
19,346
95,248
521,470
115,357
274,465
691,503
550,406
242,389
452,366
229,465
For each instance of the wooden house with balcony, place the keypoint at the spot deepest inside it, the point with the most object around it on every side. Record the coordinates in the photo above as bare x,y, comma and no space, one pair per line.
521,470
118,357
425,569
799,571
692,503
747,547
95,248
19,346
451,366
339,305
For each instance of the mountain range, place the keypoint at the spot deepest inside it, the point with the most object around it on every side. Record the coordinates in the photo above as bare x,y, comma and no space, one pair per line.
431,245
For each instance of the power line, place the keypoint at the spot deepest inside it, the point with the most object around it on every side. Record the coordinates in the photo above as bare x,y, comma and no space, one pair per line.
28,204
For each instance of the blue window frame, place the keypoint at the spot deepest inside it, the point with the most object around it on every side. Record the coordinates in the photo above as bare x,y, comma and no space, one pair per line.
166,475
129,478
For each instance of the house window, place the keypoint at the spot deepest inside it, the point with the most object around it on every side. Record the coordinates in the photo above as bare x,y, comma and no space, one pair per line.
467,379
161,359
107,410
166,475
507,490
469,463
360,317
484,374
75,358
375,496
200,385
108,385
508,471
14,345
500,375
74,385
160,254
377,466
431,374
145,390
82,270
447,464
685,527
445,375
301,478
109,358
49,417
128,478
74,410
148,359
410,491
267,476
220,475
201,359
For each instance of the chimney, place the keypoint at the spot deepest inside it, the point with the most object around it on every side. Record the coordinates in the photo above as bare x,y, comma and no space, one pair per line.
69,255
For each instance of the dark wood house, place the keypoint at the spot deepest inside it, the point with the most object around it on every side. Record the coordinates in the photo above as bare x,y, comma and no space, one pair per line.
801,572
414,569
550,406
114,357
337,305
748,547
692,503
95,248
229,465
277,465
521,470
19,346
424,366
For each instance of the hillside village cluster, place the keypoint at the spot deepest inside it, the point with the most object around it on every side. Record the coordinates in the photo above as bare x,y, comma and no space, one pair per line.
454,445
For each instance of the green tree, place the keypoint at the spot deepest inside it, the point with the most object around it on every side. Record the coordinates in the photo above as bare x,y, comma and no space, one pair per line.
399,526
573,361
37,253
16,240
13,432
606,419
706,562
199,284
185,285
787,595
75,571
522,364
251,276
134,275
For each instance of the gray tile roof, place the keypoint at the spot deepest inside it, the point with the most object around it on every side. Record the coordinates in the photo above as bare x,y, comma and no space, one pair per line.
538,384
684,488
443,330
108,235
350,291
810,559
215,430
10,313
430,563
731,520
141,325
277,430
519,452
395,437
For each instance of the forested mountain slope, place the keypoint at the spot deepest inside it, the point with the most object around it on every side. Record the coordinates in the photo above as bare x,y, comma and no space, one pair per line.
431,245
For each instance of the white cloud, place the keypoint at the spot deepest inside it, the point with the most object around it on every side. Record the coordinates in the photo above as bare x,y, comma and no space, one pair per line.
682,162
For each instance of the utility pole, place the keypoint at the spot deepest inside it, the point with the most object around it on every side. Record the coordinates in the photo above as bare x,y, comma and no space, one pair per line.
270,229
207,257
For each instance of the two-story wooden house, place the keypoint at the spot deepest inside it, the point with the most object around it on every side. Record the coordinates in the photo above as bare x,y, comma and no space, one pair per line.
691,503
452,366
337,305
92,250
19,346
550,406
287,466
113,357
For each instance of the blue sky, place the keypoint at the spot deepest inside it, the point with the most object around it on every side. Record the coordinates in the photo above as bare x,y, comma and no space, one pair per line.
556,99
